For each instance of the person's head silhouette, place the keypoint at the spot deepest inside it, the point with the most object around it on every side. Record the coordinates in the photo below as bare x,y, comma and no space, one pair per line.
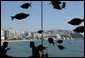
32,44
5,44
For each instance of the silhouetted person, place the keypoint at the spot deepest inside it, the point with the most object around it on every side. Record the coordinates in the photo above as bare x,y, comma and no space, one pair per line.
46,54
35,51
4,49
41,49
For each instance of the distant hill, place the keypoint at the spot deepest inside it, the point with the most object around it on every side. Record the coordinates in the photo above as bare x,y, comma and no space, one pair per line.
76,35
66,33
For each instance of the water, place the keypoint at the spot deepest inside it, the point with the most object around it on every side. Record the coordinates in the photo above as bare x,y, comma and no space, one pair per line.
73,48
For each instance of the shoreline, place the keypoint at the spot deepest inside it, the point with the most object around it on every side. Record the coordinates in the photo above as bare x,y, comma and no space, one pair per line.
28,40
14,41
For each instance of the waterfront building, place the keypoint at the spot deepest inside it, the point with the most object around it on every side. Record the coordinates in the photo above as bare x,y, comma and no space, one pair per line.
9,34
58,36
2,34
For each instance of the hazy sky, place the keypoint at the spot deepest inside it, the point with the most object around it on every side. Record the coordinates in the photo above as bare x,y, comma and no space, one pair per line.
53,18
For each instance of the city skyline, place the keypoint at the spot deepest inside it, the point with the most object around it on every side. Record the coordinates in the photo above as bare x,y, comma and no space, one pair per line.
58,34
53,18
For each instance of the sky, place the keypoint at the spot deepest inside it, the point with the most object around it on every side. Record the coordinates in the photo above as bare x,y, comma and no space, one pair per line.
52,18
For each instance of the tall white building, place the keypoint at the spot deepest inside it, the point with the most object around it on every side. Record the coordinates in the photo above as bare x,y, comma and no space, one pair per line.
9,34
2,34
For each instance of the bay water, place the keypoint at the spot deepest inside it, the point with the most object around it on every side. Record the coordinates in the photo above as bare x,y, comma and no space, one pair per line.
73,48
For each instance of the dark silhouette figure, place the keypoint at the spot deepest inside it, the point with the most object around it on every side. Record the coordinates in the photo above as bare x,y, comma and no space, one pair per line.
75,21
46,55
79,29
40,31
26,5
60,41
4,49
41,47
20,16
50,40
35,50
61,47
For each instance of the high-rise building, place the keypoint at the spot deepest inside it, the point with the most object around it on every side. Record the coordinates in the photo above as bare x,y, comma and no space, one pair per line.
2,34
9,34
